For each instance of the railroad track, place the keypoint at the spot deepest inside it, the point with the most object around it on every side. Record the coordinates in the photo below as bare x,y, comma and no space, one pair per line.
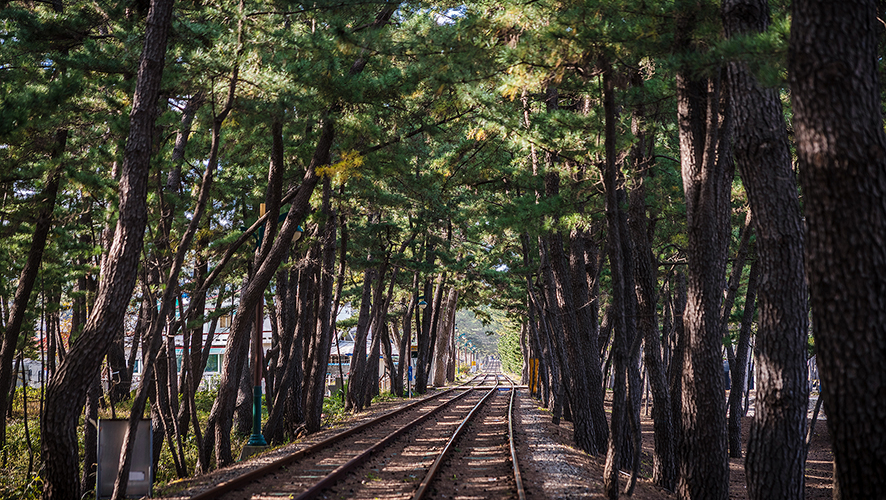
455,442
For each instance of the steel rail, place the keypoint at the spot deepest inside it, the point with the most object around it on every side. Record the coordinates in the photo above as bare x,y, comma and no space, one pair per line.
244,479
423,487
334,476
521,493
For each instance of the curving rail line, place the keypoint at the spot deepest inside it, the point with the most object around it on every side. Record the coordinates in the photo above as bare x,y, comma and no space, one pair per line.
342,470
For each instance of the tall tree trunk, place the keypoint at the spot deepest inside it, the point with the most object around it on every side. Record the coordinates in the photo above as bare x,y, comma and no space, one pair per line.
153,341
404,349
285,304
841,146
583,266
287,411
738,265
585,435
631,442
703,116
560,295
423,330
242,417
379,311
739,372
617,268
431,322
370,384
444,335
219,423
317,383
120,380
67,391
553,322
678,300
27,279
406,338
543,357
90,434
776,447
550,327
309,321
339,286
357,373
663,468
192,350
164,370
453,309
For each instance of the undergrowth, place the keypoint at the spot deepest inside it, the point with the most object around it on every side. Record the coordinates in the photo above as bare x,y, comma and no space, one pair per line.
21,464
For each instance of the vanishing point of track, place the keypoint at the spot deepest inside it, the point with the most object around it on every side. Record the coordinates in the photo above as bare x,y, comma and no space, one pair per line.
452,444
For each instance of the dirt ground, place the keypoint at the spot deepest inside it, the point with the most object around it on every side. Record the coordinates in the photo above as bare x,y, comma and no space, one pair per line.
553,468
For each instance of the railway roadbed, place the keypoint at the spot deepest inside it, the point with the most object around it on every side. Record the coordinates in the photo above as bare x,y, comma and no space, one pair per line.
477,464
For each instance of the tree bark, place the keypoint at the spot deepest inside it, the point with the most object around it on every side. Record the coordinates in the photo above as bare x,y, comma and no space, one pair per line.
739,371
153,337
663,469
617,311
27,279
287,408
405,350
631,442
67,390
776,448
219,424
678,300
703,117
326,324
356,375
444,336
242,416
423,330
583,267
90,434
833,65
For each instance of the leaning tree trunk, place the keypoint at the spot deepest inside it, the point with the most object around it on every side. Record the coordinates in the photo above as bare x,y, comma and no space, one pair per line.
833,65
776,447
218,427
26,281
67,390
